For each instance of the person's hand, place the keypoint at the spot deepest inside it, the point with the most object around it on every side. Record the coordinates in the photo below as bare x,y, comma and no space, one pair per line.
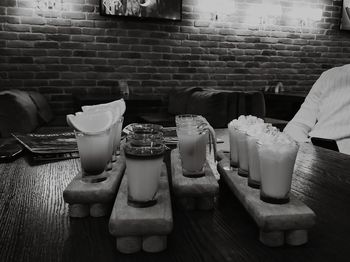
299,132
347,9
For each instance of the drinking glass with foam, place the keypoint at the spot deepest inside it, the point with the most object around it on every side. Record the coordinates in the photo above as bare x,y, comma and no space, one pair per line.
277,154
192,147
243,123
192,132
232,130
252,135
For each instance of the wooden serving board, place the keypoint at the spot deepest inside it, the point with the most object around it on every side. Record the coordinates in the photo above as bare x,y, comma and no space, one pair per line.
142,228
279,224
94,195
193,193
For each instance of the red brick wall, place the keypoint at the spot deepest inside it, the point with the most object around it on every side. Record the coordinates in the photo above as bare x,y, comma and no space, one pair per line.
74,50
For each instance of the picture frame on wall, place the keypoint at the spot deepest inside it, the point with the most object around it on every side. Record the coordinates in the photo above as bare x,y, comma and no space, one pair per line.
345,19
148,9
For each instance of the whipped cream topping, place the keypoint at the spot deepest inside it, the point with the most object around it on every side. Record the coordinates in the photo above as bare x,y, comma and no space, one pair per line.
272,129
283,138
257,129
233,123
275,137
243,122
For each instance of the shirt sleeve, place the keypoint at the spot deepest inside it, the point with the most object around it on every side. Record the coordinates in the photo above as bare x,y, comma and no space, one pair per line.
304,120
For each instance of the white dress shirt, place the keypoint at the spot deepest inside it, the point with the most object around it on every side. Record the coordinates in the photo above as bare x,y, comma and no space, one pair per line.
326,110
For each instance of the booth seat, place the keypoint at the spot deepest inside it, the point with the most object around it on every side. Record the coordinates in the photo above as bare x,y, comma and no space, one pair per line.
26,112
219,107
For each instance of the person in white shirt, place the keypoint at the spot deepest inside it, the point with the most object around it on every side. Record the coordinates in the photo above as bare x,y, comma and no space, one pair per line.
325,112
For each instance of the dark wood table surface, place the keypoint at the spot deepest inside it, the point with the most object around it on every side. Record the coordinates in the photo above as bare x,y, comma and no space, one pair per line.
34,222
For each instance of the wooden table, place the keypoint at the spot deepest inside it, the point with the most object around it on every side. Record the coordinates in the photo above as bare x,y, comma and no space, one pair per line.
34,222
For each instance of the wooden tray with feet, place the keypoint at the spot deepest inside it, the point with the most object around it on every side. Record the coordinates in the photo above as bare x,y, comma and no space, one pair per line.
193,193
94,195
278,224
144,228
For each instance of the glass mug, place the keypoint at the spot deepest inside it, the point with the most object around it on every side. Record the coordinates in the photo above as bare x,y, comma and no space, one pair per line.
112,136
144,157
117,138
193,138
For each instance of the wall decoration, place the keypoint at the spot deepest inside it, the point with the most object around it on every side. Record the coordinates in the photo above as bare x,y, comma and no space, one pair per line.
164,9
345,19
48,5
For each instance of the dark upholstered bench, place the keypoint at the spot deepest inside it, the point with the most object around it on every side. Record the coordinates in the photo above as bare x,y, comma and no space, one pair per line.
219,107
281,107
26,112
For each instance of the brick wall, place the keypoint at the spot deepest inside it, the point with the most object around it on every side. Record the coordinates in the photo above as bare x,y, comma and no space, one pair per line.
71,49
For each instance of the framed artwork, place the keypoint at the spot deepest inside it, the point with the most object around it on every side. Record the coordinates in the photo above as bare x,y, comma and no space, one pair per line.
159,9
345,18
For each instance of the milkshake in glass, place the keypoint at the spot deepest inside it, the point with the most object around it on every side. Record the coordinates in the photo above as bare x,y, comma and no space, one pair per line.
193,138
277,155
144,157
242,127
243,162
192,147
253,134
232,130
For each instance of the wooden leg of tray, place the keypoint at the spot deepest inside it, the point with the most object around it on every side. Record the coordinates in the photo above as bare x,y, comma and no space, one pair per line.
205,203
186,203
129,245
154,244
272,238
99,209
78,210
296,237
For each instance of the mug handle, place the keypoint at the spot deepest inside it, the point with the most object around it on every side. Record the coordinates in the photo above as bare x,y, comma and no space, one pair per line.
212,136
212,140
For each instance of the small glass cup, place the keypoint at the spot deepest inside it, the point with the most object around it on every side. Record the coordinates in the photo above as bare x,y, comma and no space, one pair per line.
117,137
144,156
243,162
254,176
233,146
276,166
112,135
94,151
